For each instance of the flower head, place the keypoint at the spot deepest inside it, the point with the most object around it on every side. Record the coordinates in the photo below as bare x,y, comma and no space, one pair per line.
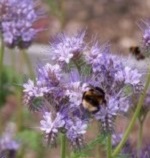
16,22
7,142
76,128
51,127
66,47
63,91
113,77
47,85
114,106
144,153
146,34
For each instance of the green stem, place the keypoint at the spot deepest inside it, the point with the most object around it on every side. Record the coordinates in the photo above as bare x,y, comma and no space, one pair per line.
1,74
1,64
140,134
62,15
63,146
133,120
19,116
29,64
109,146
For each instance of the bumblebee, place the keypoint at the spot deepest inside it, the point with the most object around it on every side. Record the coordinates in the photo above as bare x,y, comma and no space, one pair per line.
136,52
93,99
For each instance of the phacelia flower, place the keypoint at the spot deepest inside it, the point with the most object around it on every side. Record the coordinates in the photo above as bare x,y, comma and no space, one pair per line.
127,149
51,127
144,153
62,91
47,85
113,77
107,114
8,145
146,34
16,22
75,130
65,48
129,76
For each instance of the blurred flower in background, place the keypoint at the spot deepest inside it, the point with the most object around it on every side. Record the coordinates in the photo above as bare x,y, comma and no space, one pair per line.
8,144
145,26
16,22
143,153
127,148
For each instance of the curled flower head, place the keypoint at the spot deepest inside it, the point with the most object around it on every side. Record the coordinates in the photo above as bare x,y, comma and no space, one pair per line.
49,75
115,106
16,22
51,126
66,47
75,130
47,86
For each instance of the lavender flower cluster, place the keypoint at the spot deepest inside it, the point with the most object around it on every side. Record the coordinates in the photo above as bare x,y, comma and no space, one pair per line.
58,92
16,22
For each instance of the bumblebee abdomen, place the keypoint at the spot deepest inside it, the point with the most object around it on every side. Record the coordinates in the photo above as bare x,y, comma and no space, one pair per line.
93,99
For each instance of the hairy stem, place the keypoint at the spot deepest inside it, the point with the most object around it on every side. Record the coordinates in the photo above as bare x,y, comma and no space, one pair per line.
133,120
63,146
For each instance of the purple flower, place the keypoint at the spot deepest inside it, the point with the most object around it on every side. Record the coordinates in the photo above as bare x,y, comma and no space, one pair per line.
113,77
8,145
128,76
66,47
144,153
127,149
109,72
47,85
16,22
51,125
48,75
76,128
116,105
145,26
62,91
48,125
75,93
